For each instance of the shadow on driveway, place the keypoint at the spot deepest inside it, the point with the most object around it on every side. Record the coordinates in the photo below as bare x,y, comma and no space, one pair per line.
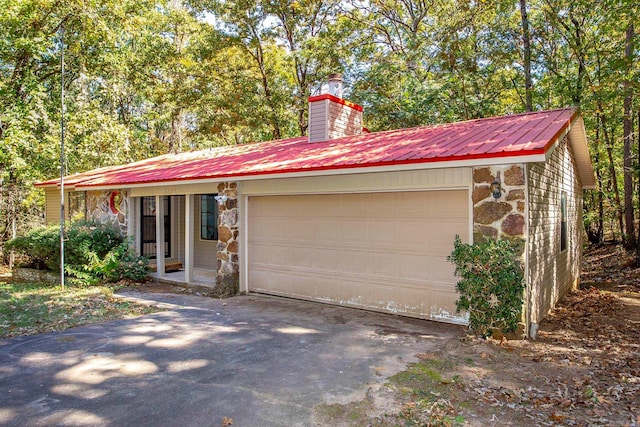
257,360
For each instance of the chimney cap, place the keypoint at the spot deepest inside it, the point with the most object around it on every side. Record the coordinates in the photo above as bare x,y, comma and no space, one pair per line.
335,84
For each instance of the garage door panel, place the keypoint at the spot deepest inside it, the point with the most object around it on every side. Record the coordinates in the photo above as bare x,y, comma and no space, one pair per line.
365,263
303,256
260,254
325,258
382,251
413,266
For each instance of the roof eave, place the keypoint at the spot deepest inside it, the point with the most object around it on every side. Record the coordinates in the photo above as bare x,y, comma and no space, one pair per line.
578,141
502,159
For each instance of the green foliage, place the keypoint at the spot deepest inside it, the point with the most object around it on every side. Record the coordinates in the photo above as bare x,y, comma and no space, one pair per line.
41,246
491,286
122,263
93,252
146,78
88,241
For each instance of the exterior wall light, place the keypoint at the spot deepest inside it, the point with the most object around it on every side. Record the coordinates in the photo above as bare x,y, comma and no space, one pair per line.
496,189
221,198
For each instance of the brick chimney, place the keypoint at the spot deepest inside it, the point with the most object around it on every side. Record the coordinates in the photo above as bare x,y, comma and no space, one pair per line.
332,117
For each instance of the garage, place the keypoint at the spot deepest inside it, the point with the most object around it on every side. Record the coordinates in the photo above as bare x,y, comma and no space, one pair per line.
382,251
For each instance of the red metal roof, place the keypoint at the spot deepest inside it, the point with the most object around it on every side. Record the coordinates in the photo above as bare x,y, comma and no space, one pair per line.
508,136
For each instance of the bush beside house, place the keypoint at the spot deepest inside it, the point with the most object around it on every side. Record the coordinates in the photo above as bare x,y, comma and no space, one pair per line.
491,285
93,253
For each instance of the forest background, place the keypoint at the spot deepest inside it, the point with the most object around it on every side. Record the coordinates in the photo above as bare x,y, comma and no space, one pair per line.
146,77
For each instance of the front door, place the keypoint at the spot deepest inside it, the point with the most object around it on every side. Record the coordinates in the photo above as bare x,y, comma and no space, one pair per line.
148,245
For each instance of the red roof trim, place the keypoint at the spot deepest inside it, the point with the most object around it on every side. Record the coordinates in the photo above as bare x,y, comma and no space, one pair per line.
339,167
335,99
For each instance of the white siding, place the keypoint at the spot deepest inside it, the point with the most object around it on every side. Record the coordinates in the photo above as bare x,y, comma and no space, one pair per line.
206,251
318,121
374,182
174,189
329,120
551,272
343,120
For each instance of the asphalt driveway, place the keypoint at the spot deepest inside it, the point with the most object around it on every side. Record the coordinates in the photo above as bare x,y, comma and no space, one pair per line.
257,360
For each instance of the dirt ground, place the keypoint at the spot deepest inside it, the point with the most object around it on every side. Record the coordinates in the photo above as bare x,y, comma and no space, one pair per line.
583,370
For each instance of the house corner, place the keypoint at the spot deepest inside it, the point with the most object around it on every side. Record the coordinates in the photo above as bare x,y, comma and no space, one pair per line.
499,213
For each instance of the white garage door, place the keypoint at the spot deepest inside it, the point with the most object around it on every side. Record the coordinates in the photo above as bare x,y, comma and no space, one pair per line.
380,251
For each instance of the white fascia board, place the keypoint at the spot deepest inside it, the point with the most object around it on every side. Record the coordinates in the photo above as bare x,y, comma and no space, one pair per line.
491,161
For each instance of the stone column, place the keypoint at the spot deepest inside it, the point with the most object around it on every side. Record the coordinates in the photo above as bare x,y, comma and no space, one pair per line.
502,218
227,280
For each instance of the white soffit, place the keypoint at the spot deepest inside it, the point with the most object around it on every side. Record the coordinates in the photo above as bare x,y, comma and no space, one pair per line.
578,141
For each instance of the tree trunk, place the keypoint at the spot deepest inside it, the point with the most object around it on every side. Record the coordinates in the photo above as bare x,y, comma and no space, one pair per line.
614,179
628,142
526,40
638,246
577,96
595,229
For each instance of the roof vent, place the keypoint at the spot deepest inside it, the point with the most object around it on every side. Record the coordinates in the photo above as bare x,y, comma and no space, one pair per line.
332,117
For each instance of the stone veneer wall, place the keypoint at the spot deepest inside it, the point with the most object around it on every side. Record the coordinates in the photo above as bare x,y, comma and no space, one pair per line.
227,279
108,207
503,218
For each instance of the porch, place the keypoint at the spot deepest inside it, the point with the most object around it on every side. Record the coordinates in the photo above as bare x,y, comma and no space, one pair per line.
189,235
201,277
184,256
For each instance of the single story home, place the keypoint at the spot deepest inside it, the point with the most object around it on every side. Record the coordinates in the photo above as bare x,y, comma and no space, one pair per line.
353,218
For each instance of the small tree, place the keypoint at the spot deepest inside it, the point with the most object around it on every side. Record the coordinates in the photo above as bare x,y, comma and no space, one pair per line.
491,286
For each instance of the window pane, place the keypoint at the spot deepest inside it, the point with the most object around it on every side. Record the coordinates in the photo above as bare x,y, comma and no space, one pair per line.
563,221
208,217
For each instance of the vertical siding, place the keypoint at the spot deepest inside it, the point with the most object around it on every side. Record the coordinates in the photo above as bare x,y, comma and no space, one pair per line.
551,272
205,251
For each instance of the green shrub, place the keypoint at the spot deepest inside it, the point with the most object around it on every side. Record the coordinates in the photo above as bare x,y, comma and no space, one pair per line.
122,263
87,241
93,253
40,246
491,286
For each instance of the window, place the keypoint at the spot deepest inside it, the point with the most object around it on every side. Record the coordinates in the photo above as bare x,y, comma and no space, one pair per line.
148,227
563,221
208,217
